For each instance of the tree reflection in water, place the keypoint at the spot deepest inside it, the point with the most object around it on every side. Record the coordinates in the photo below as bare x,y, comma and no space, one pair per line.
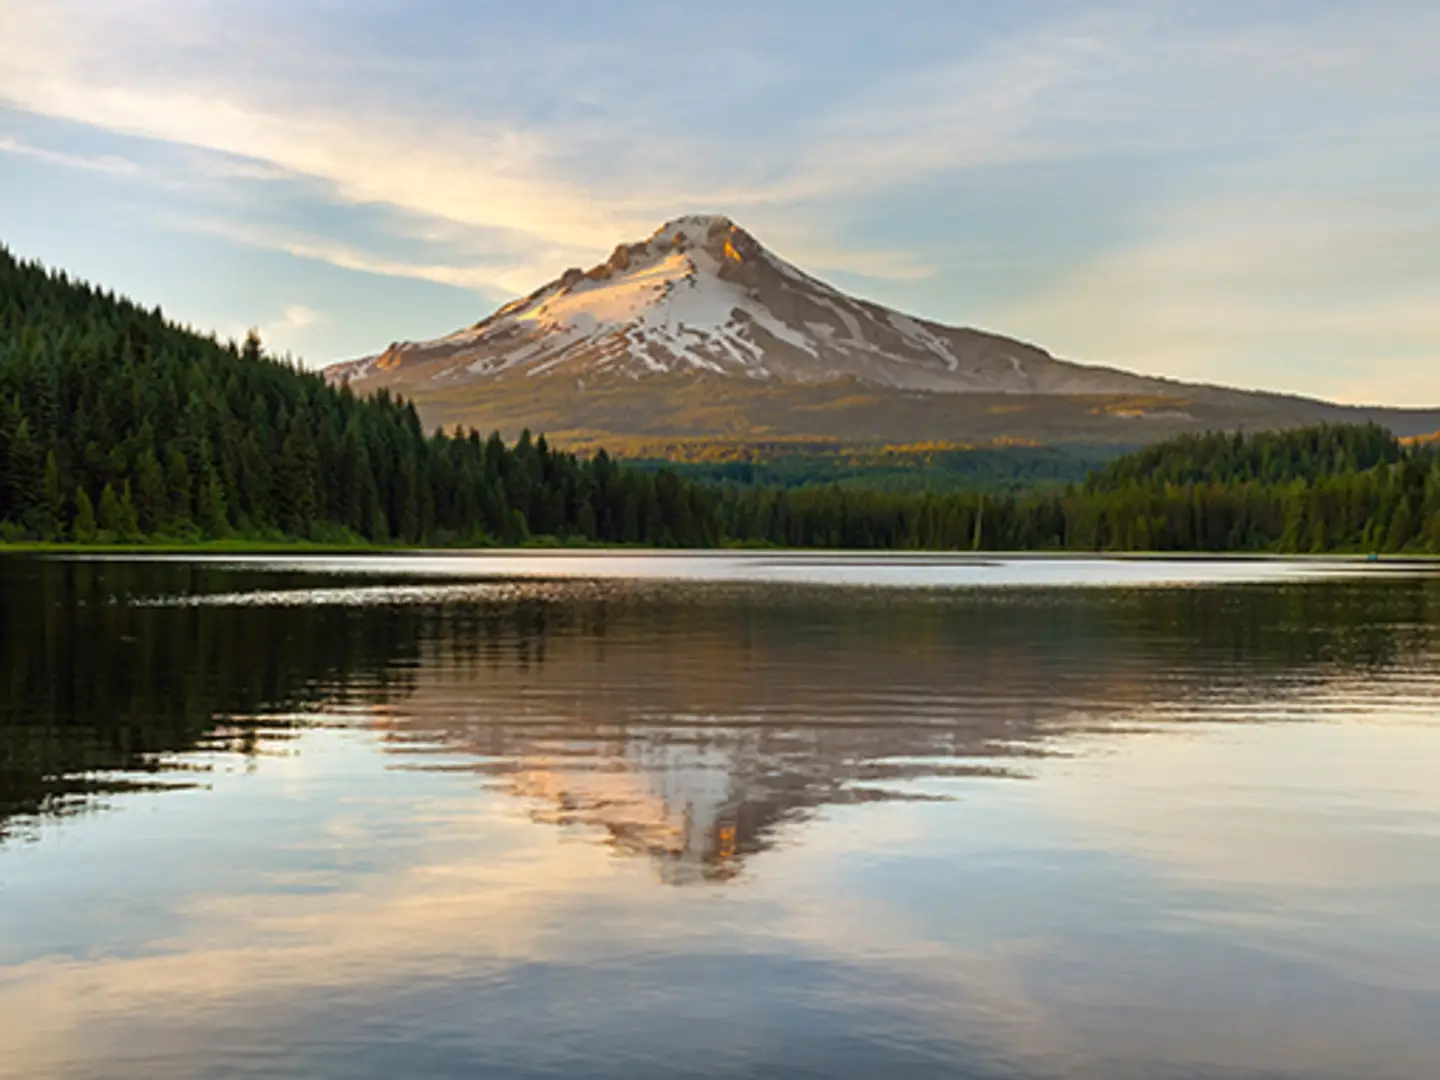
687,723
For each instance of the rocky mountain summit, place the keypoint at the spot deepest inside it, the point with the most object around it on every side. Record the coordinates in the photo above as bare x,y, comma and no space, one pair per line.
702,295
699,331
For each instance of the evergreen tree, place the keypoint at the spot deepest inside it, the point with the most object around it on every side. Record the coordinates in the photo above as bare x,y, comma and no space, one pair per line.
151,498
111,517
84,528
24,474
54,498
178,494
211,514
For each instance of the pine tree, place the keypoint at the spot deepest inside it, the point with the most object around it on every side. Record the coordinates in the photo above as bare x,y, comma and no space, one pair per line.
179,497
84,528
151,498
1401,528
211,514
295,496
54,497
24,471
112,518
129,518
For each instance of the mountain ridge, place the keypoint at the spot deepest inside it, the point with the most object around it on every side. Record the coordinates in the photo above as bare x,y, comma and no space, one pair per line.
701,294
702,301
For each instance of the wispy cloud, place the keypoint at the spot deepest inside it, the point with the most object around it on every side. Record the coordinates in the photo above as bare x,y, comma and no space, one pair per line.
501,168
348,257
298,317
583,179
492,155
105,163
1245,289
479,173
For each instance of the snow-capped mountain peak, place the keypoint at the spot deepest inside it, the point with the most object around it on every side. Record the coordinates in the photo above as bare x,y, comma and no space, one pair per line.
701,295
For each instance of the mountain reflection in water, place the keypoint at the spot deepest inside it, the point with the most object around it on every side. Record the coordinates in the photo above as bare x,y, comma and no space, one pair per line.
689,722
727,737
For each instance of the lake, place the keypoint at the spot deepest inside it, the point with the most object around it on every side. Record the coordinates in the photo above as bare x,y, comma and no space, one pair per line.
718,815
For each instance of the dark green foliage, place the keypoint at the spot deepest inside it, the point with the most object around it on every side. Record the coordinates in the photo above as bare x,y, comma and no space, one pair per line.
116,425
910,469
84,526
154,431
1271,457
1325,489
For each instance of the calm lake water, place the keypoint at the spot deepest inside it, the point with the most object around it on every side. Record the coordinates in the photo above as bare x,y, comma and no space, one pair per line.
718,815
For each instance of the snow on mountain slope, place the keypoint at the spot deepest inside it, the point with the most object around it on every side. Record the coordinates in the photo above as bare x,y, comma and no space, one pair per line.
703,296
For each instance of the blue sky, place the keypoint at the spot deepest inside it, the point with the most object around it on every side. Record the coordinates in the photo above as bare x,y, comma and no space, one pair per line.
1240,192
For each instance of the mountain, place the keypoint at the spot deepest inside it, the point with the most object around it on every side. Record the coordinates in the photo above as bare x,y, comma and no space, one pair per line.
701,332
116,425
702,296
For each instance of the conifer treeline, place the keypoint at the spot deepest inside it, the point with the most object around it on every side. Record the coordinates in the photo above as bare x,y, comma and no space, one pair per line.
117,425
1391,507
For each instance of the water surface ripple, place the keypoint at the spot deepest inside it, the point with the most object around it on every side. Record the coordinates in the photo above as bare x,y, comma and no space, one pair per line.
718,815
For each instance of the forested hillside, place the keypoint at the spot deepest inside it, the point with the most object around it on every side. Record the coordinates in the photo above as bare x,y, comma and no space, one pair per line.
1392,506
994,468
116,425
1309,454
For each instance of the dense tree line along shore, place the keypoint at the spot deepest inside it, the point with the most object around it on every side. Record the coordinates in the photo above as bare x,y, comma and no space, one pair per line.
116,425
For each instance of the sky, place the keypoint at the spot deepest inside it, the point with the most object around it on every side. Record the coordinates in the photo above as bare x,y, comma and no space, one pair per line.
1234,191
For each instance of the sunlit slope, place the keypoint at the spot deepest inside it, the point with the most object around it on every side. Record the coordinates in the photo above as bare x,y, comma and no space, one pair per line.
699,332
679,408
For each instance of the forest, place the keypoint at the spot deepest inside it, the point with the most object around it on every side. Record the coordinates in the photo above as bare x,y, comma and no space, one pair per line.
116,425
983,467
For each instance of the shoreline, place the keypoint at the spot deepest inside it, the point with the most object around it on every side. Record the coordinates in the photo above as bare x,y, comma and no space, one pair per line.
571,549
